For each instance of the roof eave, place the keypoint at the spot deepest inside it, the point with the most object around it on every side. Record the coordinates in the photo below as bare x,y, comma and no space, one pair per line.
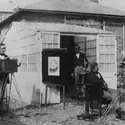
11,17
73,13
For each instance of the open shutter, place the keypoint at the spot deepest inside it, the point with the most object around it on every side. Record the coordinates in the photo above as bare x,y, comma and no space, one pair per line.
107,58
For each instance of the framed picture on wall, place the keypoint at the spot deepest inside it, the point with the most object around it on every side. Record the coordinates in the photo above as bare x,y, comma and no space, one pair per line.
53,66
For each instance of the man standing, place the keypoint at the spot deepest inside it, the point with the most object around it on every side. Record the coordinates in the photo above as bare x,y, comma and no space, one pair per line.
80,64
3,76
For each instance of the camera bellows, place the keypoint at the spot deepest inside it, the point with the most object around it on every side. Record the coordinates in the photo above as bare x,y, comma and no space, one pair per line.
8,65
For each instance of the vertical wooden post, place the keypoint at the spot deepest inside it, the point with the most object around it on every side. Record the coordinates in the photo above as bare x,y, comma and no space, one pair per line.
85,39
97,49
40,61
64,96
104,25
123,36
46,91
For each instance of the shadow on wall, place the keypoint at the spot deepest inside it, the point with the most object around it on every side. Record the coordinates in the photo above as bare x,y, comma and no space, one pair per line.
53,91
35,96
53,95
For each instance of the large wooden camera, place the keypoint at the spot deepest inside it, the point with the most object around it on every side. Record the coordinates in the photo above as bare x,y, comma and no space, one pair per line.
8,65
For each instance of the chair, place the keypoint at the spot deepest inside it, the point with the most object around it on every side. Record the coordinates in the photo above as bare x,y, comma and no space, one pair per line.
93,100
94,92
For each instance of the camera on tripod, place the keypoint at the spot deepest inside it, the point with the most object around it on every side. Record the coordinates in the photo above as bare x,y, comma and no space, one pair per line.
8,65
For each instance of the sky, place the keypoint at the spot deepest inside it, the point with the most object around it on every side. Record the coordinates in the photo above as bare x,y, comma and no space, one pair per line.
20,2
118,4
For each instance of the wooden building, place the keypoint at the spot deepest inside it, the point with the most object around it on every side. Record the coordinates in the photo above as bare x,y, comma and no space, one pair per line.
58,24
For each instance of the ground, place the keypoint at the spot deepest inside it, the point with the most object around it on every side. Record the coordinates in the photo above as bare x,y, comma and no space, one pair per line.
52,115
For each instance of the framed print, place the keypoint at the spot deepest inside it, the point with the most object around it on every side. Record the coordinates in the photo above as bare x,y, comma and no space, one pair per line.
53,66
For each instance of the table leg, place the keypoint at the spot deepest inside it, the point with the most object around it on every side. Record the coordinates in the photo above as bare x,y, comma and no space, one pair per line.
46,96
64,97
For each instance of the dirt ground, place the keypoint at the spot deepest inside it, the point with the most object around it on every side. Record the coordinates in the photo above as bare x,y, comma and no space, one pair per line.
52,115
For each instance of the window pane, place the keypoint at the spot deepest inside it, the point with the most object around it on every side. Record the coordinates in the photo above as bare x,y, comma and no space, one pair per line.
32,62
23,67
50,40
23,60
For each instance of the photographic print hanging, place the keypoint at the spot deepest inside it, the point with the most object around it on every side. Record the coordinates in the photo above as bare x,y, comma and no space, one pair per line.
53,66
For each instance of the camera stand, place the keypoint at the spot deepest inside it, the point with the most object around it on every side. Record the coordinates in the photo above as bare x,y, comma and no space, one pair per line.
4,93
3,89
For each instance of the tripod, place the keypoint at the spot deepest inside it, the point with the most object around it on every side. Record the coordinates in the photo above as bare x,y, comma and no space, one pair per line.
4,91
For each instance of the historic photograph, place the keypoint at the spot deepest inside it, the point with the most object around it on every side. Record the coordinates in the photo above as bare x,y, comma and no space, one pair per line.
62,62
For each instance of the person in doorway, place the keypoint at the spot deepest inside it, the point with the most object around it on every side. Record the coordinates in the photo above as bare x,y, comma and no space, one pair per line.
108,93
80,64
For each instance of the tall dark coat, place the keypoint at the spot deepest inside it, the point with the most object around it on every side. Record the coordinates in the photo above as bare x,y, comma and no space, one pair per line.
91,78
3,75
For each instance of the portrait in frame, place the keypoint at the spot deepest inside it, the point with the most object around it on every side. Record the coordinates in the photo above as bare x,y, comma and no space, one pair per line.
53,66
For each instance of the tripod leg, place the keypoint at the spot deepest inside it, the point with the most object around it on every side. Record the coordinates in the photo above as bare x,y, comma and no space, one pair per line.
17,89
9,93
6,99
18,92
3,89
109,108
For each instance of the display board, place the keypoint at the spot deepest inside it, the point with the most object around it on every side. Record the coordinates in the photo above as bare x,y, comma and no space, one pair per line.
53,65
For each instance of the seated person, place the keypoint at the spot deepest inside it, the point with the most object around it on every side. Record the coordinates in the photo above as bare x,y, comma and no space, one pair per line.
109,94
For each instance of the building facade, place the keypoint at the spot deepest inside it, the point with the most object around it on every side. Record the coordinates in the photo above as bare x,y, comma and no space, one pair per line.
82,20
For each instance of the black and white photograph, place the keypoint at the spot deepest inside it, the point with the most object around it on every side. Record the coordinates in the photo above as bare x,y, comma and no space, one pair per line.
62,62
53,66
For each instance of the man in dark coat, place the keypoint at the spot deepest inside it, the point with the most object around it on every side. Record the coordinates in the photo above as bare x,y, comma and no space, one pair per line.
109,94
80,64
3,76
3,56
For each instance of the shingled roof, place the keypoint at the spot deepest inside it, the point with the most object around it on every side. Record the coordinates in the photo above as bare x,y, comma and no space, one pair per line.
74,6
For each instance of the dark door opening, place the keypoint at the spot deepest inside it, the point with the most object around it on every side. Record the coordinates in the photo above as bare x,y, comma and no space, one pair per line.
68,42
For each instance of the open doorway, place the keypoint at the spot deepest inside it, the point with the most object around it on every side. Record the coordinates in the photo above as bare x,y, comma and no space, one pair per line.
68,42
87,45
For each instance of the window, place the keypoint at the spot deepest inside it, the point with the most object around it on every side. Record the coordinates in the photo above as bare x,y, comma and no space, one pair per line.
107,56
87,45
50,40
32,62
23,60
